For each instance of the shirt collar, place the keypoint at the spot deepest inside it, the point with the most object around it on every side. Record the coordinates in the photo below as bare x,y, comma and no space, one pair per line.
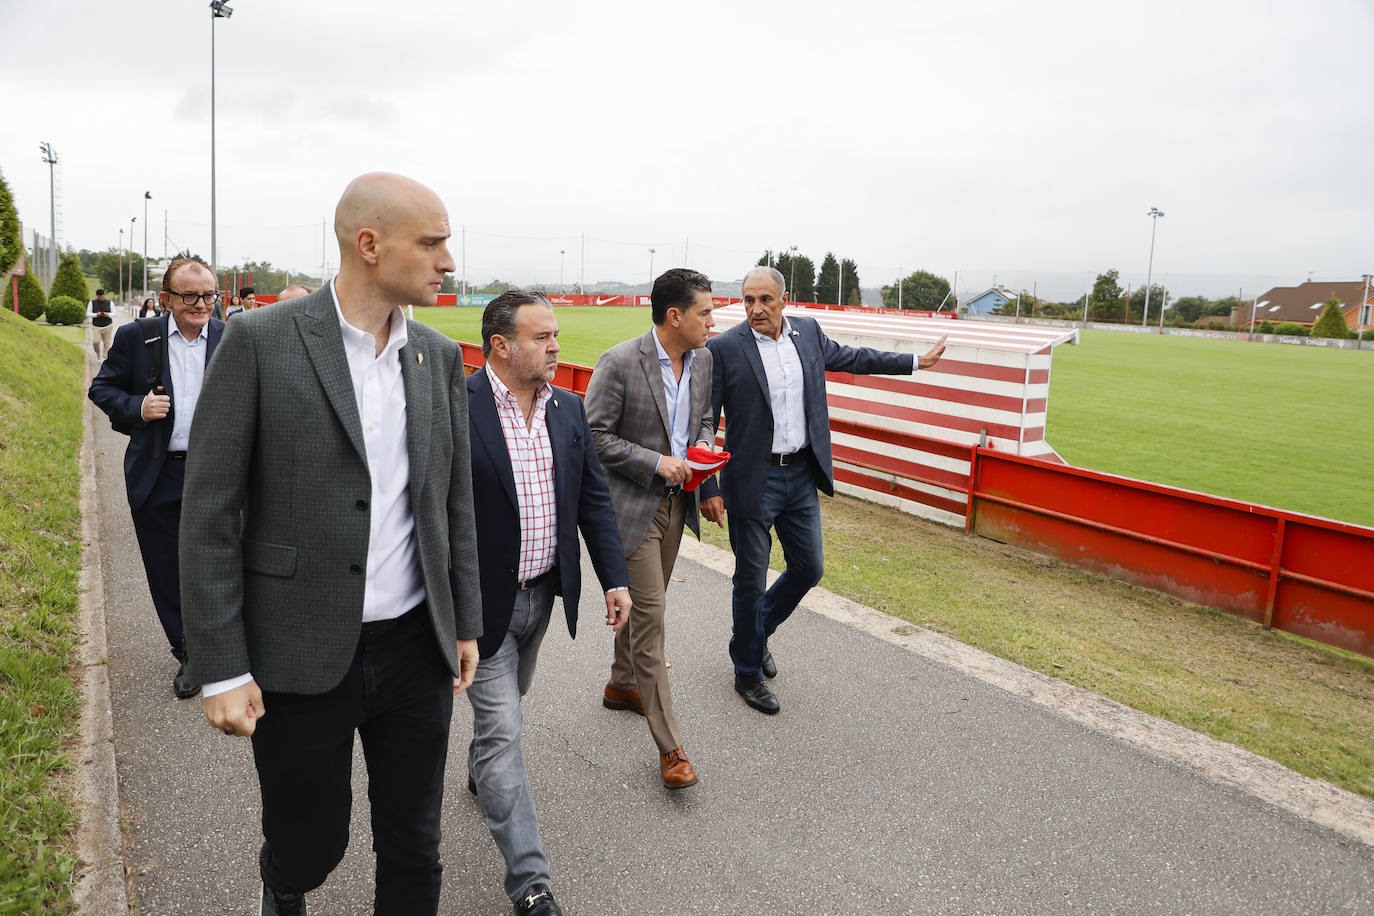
174,328
785,332
663,357
356,338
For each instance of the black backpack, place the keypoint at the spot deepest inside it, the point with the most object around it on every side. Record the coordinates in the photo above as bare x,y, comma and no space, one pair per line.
151,329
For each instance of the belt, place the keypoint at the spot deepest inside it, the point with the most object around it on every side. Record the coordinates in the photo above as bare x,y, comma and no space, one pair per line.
537,580
179,456
372,629
784,459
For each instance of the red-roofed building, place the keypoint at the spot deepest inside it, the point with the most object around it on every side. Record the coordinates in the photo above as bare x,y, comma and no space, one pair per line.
1302,304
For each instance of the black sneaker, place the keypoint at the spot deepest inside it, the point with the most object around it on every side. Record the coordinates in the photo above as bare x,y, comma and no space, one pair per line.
537,901
275,904
183,686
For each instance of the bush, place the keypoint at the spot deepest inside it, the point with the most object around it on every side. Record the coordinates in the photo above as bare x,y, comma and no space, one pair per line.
1331,323
1290,329
1368,335
65,310
32,302
1265,327
70,281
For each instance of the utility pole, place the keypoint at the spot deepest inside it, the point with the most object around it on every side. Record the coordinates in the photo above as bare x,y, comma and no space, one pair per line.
50,157
121,257
561,287
792,281
651,269
132,220
1154,214
147,196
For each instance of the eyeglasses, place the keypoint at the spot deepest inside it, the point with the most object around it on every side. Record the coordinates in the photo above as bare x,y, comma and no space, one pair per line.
193,298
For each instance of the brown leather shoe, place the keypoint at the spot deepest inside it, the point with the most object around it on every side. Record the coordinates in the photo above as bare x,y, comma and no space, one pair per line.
615,698
677,770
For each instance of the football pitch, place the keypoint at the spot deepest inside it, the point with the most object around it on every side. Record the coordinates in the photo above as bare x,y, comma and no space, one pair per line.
1284,426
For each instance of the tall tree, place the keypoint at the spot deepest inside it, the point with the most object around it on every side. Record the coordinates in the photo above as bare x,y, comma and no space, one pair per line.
850,291
1106,299
112,269
11,244
1331,323
921,290
1188,308
828,283
69,280
798,272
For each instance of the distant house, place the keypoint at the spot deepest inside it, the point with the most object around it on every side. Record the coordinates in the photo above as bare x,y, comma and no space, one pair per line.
986,302
1302,304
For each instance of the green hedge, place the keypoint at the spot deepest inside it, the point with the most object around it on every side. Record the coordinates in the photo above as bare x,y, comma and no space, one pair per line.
1290,329
32,302
65,310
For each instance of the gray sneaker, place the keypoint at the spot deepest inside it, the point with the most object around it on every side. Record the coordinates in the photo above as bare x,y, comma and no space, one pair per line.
275,904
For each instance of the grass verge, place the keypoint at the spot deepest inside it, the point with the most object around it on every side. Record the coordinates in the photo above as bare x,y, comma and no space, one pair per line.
40,546
1300,703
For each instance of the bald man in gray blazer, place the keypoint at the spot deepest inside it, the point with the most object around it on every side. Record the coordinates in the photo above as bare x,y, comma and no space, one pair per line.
328,551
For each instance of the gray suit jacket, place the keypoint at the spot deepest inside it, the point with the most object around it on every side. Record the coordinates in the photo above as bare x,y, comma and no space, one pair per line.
628,413
275,517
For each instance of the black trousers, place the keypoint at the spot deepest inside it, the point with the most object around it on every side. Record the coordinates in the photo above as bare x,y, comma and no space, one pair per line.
398,697
156,523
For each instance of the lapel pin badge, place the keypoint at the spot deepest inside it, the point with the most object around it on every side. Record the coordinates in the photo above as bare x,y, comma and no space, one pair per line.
420,358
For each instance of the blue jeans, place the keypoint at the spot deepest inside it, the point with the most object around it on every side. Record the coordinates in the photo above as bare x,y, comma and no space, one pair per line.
789,504
496,761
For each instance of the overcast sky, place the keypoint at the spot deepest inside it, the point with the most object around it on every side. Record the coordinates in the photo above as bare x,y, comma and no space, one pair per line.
1022,140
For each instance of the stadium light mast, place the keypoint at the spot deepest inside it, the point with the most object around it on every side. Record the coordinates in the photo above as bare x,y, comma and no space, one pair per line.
792,280
147,196
218,10
132,220
50,157
1154,214
561,288
651,269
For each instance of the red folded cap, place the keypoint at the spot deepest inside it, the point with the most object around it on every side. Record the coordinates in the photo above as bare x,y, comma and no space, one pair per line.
703,463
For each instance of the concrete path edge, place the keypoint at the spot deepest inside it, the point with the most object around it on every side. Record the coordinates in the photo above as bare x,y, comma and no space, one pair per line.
1345,812
100,883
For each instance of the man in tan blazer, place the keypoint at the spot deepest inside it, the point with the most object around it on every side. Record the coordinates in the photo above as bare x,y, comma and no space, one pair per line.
648,401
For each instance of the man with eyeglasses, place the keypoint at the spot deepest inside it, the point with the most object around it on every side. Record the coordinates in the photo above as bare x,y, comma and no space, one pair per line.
156,404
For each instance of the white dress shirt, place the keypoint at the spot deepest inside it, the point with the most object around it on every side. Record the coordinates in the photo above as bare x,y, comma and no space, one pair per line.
678,393
187,361
394,582
786,389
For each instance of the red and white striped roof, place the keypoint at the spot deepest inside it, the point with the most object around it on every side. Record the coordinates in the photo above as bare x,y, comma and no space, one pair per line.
978,335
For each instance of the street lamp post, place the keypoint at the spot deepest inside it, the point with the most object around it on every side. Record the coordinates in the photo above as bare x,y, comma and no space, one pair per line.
651,269
1154,214
792,280
132,220
561,288
147,196
121,258
218,10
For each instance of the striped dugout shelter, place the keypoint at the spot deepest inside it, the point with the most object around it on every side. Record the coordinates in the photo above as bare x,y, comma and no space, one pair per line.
906,441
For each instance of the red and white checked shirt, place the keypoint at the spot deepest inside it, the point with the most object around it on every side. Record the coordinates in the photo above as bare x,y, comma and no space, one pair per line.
531,458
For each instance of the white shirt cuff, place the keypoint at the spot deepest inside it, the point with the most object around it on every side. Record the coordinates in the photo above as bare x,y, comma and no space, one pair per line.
618,588
218,687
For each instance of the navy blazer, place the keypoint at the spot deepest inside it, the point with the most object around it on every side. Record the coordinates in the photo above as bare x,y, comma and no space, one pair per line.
739,386
118,389
581,497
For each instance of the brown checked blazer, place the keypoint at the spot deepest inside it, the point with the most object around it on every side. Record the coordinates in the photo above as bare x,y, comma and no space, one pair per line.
275,517
628,413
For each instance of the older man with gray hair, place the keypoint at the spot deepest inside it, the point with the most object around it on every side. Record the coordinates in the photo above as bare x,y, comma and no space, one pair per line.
769,382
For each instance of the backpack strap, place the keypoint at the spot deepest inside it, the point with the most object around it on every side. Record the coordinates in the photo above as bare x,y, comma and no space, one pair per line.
151,329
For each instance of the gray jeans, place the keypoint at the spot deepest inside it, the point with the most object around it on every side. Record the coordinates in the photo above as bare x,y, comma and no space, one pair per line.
495,759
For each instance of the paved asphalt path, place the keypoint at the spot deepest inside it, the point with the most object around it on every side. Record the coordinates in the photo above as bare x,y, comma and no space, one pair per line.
889,783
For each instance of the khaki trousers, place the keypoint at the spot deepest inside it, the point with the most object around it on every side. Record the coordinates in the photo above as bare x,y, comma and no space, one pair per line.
639,656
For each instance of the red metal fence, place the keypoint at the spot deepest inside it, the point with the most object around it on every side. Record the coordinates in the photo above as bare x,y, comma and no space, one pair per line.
1306,575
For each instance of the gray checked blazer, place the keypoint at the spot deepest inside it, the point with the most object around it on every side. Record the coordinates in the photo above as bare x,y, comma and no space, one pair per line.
628,413
275,516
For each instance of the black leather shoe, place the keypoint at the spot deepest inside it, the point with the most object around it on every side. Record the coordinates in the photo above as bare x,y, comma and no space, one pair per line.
757,695
275,904
537,901
770,667
183,686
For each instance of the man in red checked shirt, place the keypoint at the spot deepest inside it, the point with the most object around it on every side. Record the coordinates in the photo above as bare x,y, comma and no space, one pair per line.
536,481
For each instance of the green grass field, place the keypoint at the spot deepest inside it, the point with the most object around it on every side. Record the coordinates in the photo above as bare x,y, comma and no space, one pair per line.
40,435
1285,426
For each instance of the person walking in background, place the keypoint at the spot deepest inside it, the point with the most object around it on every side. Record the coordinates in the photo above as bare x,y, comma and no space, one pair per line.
100,311
647,402
536,482
235,307
155,405
149,308
769,383
329,555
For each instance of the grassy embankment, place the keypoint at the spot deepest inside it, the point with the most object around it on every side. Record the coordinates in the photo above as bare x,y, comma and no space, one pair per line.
1294,701
40,436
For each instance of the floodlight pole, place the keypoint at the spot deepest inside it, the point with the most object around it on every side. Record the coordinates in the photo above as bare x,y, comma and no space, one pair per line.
50,157
792,280
132,220
1154,214
651,270
218,10
147,196
561,288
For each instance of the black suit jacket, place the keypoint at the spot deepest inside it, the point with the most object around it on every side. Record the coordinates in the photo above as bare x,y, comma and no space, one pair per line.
739,387
581,496
119,389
